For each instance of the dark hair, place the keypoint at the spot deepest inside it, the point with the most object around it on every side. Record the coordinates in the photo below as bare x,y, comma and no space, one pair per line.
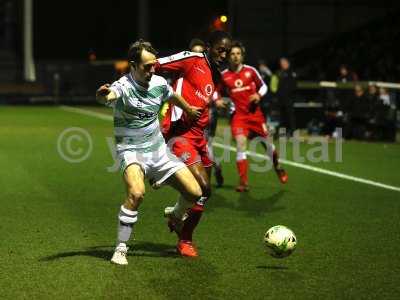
217,36
237,44
196,42
135,50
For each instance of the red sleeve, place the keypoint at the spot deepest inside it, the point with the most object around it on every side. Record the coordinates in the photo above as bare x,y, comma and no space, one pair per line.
257,78
177,64
262,88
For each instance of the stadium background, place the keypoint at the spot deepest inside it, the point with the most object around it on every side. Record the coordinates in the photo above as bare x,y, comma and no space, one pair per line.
72,56
57,228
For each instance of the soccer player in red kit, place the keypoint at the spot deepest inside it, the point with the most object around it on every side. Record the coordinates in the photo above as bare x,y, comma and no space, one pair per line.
198,75
245,87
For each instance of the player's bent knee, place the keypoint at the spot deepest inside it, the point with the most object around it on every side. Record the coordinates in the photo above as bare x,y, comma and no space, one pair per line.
241,147
241,143
135,197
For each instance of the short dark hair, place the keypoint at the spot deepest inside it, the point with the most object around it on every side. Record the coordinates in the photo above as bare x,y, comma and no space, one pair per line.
217,36
135,50
196,42
238,44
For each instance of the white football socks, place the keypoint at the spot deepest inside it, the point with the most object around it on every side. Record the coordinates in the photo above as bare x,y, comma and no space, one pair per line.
126,219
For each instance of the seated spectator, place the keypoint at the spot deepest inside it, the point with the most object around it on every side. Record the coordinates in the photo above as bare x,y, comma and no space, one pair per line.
314,127
359,114
372,93
384,96
333,116
344,75
385,117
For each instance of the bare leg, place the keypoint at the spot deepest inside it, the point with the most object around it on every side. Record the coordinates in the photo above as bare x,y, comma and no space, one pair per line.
127,217
202,177
273,155
128,214
185,183
241,162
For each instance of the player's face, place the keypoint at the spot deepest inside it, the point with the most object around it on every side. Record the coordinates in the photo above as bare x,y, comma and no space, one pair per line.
145,69
197,48
284,63
235,56
220,50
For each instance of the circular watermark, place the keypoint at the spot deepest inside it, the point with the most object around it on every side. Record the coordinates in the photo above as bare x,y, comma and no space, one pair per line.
74,144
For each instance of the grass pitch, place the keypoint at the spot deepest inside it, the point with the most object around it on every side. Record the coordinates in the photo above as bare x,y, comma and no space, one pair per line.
58,225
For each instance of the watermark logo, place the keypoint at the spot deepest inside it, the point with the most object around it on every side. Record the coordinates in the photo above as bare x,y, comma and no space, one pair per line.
74,144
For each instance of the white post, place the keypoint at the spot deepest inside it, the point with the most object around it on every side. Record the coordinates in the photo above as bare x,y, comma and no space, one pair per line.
143,20
29,64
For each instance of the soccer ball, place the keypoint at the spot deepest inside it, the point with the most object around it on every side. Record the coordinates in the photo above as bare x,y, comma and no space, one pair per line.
280,241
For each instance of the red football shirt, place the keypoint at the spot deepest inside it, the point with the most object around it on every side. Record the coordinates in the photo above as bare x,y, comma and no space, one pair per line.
240,85
195,84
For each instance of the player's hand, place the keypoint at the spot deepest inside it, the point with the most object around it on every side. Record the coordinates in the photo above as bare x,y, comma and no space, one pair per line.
103,91
255,98
194,112
220,103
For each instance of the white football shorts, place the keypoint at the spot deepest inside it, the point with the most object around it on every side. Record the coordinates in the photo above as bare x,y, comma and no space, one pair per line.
157,166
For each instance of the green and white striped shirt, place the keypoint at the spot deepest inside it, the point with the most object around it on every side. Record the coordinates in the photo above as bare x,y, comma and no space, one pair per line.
136,124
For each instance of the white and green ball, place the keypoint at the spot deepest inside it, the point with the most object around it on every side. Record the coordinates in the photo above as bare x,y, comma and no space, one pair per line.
280,241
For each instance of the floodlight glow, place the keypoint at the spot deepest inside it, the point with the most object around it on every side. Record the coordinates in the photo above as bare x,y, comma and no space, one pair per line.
223,18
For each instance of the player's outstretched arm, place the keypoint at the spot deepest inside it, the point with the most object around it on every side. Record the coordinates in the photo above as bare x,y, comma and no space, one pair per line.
192,111
104,94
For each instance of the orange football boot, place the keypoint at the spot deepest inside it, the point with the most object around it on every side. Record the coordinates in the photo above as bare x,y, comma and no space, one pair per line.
186,248
282,175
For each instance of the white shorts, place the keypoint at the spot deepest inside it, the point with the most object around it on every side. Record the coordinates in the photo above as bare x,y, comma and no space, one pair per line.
157,166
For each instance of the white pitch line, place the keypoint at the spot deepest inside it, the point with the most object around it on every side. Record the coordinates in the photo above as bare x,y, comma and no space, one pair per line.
254,154
87,112
315,169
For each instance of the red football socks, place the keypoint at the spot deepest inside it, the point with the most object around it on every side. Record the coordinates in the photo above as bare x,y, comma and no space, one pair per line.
275,159
191,223
242,166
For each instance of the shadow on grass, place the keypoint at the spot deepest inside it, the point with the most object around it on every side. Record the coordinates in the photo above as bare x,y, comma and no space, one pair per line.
273,267
258,207
217,200
251,206
226,186
191,278
147,249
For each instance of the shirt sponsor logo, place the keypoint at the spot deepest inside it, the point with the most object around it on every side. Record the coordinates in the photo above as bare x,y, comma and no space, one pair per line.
201,96
144,115
241,89
238,83
208,89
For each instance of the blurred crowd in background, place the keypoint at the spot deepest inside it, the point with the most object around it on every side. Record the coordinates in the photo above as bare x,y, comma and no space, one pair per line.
360,57
364,112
